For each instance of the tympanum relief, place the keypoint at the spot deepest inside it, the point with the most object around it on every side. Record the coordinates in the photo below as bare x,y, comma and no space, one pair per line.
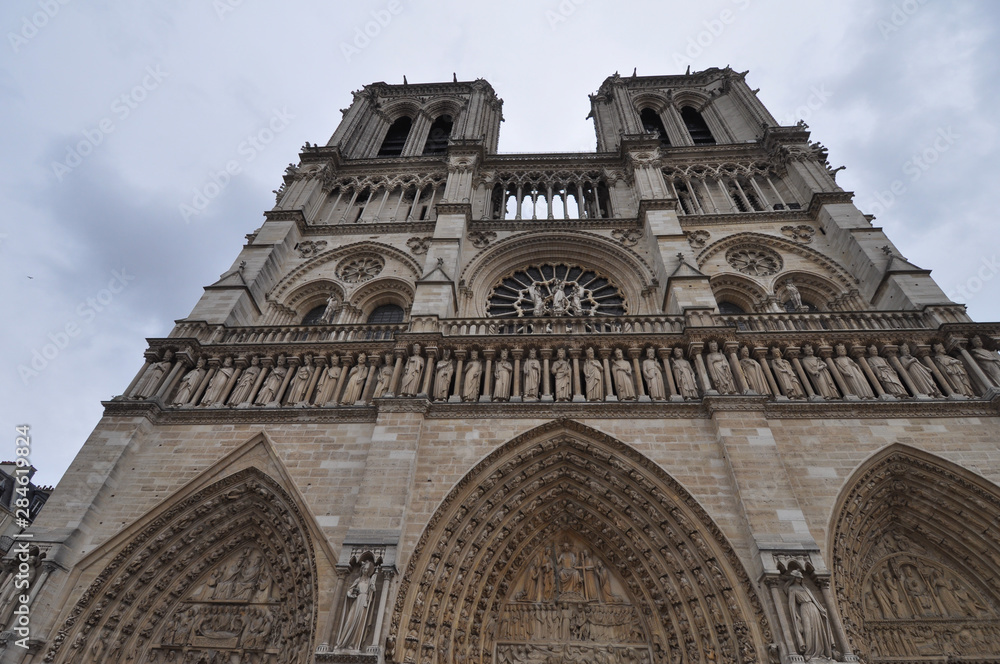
568,606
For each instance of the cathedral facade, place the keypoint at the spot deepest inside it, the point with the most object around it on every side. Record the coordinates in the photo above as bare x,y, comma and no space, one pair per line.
676,401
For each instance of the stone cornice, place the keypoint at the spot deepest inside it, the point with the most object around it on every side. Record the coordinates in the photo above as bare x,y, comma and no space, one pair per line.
776,216
822,198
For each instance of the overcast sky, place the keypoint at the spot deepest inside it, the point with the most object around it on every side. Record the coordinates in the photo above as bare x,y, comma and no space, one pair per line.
117,113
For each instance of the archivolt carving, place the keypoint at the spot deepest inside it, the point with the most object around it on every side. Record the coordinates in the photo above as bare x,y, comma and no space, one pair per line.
915,546
295,276
229,571
310,295
586,249
383,291
668,571
740,291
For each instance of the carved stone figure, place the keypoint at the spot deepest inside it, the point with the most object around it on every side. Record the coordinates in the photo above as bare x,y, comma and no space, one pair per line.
532,374
784,373
356,381
653,374
886,374
576,301
473,377
756,382
147,386
299,384
213,394
719,370
504,371
820,374
793,294
560,303
569,573
538,307
810,623
330,312
987,359
593,374
273,382
357,608
854,377
328,382
245,383
384,376
563,372
414,369
922,377
444,371
621,372
192,379
684,375
955,371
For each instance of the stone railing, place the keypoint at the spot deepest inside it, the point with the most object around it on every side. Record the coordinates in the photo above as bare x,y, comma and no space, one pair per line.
827,320
283,334
470,327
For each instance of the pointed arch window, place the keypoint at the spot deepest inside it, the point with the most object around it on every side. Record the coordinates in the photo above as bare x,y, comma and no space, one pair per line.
696,126
386,314
437,138
395,138
652,124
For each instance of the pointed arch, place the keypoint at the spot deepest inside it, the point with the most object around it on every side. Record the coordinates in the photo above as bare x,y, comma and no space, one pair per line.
915,544
690,592
238,551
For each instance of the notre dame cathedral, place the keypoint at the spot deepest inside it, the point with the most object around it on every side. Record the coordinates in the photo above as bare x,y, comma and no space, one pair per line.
675,401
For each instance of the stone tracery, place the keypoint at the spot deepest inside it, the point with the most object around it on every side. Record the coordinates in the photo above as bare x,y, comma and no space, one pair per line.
555,290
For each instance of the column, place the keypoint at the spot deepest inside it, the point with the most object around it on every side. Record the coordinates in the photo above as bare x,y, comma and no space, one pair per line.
456,396
640,390
694,351
668,374
487,394
858,353
609,385
891,352
826,353
546,376
431,360
574,354
793,355
345,363
924,353
397,369
760,354
515,394
734,363
366,393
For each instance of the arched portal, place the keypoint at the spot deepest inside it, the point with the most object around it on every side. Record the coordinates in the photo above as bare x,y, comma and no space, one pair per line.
916,551
567,545
227,574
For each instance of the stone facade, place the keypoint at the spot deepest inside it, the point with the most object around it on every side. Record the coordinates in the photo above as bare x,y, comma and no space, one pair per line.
675,401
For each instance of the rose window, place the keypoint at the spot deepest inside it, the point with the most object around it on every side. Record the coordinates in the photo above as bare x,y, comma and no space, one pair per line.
362,268
555,290
757,262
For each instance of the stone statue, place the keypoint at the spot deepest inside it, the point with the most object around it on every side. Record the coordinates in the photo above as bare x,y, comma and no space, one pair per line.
328,383
504,371
793,294
569,573
563,372
560,303
192,379
299,384
537,301
653,374
784,373
684,376
576,301
473,376
444,371
357,608
621,372
987,359
330,312
593,374
147,386
354,391
414,369
820,373
756,382
384,376
922,377
810,623
532,373
217,385
719,370
886,374
854,377
245,383
272,384
955,370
